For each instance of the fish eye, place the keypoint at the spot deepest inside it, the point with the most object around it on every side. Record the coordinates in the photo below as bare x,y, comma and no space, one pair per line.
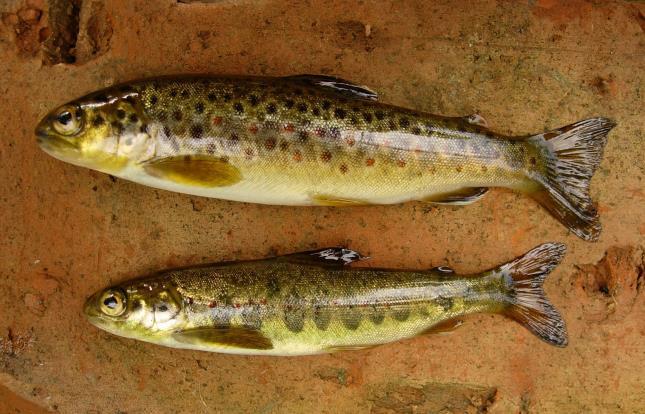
68,120
112,302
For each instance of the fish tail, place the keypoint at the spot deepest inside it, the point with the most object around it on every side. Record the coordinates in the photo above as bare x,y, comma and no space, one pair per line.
526,300
571,156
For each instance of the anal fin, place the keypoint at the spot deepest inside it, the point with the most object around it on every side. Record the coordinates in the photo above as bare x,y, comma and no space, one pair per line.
444,327
462,196
326,200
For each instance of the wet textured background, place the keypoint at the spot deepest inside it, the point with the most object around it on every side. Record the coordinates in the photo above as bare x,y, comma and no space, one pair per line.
526,66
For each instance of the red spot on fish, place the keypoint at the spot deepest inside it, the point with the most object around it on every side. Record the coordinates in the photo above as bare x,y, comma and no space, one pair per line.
458,168
297,156
351,142
270,143
320,132
212,305
263,301
289,127
326,156
484,169
369,162
343,168
400,163
249,153
237,305
217,120
253,129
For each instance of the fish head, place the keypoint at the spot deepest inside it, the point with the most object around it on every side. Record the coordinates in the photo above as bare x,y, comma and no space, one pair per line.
147,310
103,131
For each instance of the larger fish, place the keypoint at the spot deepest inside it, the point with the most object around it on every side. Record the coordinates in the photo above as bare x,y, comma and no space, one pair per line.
309,303
317,140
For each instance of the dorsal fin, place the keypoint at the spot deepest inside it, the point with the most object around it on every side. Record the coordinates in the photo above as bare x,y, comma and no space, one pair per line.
329,256
339,85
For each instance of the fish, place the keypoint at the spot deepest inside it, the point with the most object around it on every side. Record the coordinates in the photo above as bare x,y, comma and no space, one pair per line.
315,140
317,302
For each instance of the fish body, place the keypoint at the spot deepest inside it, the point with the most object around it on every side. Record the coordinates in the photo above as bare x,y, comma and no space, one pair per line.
311,302
317,140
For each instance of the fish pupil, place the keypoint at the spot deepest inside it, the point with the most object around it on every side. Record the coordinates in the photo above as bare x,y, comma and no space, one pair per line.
163,308
110,302
64,117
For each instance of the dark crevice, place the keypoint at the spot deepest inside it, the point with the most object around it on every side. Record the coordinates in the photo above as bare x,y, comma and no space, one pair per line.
64,17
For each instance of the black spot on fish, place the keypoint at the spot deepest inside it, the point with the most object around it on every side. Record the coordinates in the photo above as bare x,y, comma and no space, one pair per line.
303,136
353,120
173,93
321,318
211,97
271,108
117,127
199,107
377,316
379,115
134,118
315,111
340,113
273,287
367,117
326,105
120,113
196,131
184,94
416,130
404,122
294,320
445,303
153,100
351,318
227,97
239,108
177,115
302,107
401,314
98,120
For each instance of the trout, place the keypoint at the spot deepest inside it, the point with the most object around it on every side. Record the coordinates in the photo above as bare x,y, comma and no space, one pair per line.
317,140
313,302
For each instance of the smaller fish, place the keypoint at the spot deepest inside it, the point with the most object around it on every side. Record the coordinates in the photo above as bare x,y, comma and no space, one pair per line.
312,302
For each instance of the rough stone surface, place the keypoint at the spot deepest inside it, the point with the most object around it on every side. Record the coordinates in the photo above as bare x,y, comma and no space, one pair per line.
526,66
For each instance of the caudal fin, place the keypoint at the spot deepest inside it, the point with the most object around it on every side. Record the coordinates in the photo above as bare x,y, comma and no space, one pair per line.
572,155
527,303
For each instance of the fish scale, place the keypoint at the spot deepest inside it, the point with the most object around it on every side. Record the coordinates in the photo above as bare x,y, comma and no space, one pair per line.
318,140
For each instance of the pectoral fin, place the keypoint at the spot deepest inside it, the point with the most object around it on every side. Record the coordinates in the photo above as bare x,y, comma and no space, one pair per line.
242,337
199,171
460,197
